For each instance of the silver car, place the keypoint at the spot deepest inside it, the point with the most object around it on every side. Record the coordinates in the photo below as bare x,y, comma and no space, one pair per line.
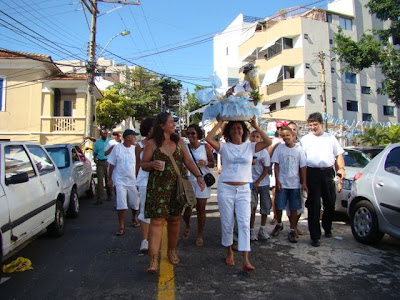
354,160
374,203
76,173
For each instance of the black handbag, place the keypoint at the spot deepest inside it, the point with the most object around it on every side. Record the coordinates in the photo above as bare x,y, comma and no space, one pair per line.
209,178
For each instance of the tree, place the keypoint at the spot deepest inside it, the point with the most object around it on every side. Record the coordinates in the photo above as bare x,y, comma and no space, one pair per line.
380,136
194,104
375,48
113,109
171,94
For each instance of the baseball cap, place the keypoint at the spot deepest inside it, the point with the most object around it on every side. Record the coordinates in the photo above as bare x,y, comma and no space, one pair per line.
129,132
281,124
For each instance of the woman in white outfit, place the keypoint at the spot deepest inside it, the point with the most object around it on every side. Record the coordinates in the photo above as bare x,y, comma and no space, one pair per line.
233,191
142,177
202,155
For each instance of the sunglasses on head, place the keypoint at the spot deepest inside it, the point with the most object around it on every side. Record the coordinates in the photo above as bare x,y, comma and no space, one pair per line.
279,127
191,133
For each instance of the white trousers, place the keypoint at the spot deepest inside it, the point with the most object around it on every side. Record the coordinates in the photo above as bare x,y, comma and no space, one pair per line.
142,196
235,200
127,194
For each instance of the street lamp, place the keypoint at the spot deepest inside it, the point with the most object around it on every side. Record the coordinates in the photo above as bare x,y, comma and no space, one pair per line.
123,33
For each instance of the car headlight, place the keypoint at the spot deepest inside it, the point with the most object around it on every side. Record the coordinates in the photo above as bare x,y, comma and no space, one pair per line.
346,184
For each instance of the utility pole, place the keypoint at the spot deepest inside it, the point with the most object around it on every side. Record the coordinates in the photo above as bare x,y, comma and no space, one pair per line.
321,56
91,63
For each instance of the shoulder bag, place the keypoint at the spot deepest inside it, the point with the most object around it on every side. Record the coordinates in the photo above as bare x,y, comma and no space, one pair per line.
209,178
184,190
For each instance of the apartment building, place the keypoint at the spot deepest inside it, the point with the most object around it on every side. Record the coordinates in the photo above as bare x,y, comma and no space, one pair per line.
293,51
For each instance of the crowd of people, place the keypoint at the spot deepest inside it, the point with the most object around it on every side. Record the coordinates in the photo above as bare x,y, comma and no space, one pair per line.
296,173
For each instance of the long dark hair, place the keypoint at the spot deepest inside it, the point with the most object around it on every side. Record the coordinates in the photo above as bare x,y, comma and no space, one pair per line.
146,126
227,135
158,133
197,129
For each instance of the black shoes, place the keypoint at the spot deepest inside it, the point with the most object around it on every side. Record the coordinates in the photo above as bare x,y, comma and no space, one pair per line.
315,243
292,236
328,234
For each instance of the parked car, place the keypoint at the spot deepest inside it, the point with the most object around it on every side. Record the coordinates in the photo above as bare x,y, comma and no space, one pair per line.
76,173
31,198
371,151
354,161
374,203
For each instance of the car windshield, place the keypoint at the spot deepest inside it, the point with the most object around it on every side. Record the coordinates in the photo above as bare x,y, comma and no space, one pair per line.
60,156
355,159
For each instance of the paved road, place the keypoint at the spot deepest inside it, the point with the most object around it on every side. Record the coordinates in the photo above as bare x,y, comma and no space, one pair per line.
90,262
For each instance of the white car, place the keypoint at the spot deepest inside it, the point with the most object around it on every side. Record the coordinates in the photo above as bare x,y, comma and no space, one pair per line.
31,198
374,203
76,173
354,161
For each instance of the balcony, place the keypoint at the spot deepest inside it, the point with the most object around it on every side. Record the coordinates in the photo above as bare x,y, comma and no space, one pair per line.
63,124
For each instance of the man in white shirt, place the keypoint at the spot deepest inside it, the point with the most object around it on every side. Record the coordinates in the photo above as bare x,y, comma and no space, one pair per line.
122,162
324,156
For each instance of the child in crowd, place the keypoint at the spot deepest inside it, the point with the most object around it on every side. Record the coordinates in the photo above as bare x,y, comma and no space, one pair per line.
290,169
260,172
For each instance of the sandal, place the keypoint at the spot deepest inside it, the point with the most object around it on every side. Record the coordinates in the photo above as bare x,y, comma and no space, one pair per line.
248,267
153,268
199,242
186,233
120,232
136,224
173,256
230,262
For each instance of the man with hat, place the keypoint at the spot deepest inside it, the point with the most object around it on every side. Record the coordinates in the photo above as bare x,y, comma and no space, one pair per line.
122,162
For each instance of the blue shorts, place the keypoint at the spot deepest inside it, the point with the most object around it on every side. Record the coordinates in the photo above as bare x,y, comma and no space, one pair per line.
291,196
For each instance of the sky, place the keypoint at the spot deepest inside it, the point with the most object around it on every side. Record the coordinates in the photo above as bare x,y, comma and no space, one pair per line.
173,38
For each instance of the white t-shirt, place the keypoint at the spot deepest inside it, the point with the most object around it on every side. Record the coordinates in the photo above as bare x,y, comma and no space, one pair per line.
321,151
236,162
290,160
143,176
112,142
124,161
262,160
199,154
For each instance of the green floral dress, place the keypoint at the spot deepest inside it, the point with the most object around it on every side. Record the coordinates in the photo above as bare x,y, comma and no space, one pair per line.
161,187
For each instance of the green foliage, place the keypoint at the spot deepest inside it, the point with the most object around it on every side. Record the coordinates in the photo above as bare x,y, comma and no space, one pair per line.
194,104
380,136
374,48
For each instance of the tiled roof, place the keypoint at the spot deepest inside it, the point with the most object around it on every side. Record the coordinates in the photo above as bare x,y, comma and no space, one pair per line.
69,77
23,55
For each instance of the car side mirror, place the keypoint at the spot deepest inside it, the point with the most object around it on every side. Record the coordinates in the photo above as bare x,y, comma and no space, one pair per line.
17,178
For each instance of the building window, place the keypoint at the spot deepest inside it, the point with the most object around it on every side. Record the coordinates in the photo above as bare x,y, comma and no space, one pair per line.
308,66
333,99
272,107
330,42
2,93
352,105
365,90
366,117
227,51
350,78
286,72
332,70
287,43
232,81
388,110
329,18
309,96
274,49
285,103
346,23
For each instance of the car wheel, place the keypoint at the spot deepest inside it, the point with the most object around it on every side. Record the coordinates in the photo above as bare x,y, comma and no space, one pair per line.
92,189
57,227
364,223
73,208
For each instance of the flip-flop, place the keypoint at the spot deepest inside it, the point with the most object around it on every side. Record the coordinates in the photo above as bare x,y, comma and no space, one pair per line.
199,242
135,224
120,232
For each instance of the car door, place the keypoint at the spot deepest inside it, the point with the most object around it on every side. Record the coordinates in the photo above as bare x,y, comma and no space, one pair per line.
49,178
78,171
387,188
24,198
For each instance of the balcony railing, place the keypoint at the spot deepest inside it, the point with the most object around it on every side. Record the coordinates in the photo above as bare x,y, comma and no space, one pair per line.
63,124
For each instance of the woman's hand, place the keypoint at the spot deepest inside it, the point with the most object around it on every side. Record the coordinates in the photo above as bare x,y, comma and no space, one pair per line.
201,163
159,165
253,122
201,183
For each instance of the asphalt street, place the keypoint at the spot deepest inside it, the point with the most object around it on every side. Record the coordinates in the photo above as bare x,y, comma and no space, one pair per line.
90,262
